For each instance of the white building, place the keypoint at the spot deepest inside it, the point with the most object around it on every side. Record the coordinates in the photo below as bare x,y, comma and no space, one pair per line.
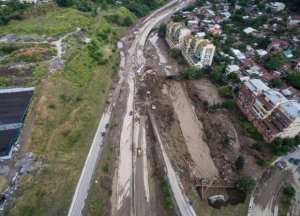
198,52
276,6
232,69
291,109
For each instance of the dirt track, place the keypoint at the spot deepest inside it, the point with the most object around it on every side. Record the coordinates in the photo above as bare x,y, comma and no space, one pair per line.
192,130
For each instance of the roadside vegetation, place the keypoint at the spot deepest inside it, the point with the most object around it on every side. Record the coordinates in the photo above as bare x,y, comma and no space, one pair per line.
67,106
285,200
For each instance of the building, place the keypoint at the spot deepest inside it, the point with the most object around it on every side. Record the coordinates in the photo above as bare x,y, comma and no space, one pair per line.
198,52
14,104
270,111
276,6
175,34
294,20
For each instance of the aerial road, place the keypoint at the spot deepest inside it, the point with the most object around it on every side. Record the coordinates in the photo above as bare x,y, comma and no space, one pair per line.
132,63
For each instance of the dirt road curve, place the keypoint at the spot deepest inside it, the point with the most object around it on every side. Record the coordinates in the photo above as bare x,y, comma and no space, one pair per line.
132,62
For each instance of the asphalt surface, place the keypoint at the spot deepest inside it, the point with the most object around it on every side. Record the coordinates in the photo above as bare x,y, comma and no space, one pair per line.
132,63
270,207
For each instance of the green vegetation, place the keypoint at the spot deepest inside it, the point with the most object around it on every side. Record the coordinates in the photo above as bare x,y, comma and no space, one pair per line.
239,163
202,208
225,91
294,79
275,61
283,146
162,30
286,197
276,83
55,21
166,191
246,184
12,11
250,130
138,7
192,73
177,55
67,110
99,197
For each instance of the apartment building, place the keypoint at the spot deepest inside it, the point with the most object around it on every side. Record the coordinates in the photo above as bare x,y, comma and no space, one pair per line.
197,51
270,112
175,34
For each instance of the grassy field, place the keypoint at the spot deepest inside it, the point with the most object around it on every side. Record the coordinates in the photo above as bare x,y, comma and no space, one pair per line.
48,19
67,108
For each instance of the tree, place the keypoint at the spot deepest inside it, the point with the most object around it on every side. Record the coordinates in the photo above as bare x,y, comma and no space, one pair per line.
289,192
275,61
239,163
225,91
162,30
175,53
276,83
246,184
127,21
192,73
294,79
64,3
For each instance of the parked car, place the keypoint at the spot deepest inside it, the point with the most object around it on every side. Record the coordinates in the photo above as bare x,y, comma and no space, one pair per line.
294,161
281,164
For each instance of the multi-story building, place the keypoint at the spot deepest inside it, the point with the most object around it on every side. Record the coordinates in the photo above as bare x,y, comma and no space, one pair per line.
270,112
197,51
175,34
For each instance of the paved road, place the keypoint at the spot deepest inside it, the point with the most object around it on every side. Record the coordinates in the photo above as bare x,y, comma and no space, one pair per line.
132,61
183,204
83,185
268,206
132,186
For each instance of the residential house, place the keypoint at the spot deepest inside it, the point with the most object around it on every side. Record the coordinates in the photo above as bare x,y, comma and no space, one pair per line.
270,111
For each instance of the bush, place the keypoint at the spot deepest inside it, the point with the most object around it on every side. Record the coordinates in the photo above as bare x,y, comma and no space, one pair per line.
239,163
175,53
289,192
246,184
64,3
192,73
276,83
294,79
225,91
228,104
162,30
127,21
275,61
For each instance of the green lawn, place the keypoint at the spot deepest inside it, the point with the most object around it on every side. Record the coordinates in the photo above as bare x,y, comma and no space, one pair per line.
55,21
67,110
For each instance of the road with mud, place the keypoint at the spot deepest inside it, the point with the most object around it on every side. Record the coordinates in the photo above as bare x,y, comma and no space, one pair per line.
132,191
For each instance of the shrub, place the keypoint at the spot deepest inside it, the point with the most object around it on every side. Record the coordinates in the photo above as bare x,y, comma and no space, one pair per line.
225,91
246,184
228,104
294,79
239,163
162,30
192,73
276,83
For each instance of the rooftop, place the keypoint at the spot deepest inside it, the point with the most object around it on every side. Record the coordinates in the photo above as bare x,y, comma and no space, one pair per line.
291,108
256,85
